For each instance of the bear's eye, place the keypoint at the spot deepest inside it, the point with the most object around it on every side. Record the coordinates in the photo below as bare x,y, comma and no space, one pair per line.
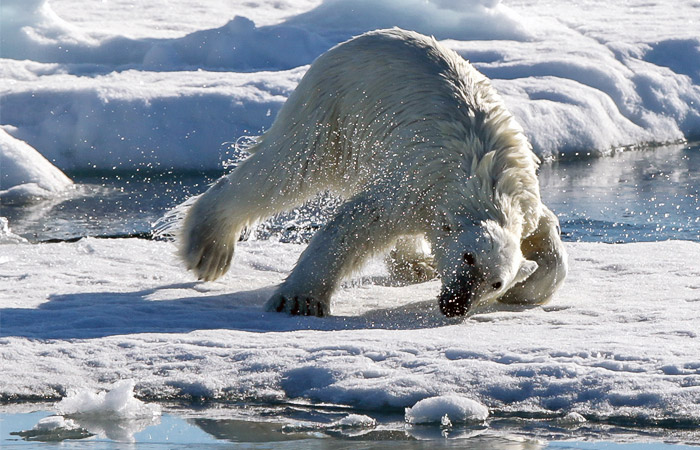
446,228
469,259
497,285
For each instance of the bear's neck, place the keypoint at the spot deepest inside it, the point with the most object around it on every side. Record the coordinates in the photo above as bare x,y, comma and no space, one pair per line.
499,185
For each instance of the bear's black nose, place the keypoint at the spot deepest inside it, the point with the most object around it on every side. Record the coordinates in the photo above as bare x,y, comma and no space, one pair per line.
455,305
457,296
452,308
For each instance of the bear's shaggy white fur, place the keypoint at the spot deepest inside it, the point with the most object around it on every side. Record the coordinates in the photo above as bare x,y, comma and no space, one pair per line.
420,145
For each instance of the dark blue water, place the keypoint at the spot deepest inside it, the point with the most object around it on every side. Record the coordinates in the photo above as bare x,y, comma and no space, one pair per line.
648,195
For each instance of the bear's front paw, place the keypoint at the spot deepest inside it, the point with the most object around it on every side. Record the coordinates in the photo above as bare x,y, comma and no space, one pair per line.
297,305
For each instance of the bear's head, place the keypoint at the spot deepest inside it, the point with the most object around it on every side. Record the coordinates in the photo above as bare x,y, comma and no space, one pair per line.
478,262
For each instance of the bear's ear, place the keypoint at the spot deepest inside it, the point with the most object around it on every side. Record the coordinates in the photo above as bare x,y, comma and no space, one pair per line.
526,269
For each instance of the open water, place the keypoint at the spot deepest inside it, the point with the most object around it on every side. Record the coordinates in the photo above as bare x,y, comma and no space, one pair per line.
644,195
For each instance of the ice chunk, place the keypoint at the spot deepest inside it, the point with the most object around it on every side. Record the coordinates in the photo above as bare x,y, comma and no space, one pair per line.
354,421
453,408
119,403
54,429
572,418
55,422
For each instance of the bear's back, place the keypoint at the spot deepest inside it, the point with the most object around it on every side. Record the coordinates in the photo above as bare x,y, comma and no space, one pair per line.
378,95
398,109
393,71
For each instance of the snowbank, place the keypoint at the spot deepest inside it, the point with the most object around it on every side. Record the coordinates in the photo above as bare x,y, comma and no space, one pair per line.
338,20
88,99
137,119
619,339
32,30
25,175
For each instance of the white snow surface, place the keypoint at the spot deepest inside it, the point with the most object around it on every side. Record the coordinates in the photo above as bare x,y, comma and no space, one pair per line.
619,339
171,84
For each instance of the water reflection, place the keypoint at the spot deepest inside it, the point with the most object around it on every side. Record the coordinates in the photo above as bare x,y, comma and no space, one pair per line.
649,195
309,427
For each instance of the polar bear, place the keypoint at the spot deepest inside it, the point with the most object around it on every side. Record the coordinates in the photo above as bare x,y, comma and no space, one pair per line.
420,146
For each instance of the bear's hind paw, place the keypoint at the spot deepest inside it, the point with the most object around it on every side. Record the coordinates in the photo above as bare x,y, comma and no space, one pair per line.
297,305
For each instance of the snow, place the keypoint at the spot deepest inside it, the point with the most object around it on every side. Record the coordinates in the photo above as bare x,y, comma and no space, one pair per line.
446,410
619,339
171,85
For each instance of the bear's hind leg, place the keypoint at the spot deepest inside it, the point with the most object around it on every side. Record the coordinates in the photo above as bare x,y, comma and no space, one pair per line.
410,261
255,190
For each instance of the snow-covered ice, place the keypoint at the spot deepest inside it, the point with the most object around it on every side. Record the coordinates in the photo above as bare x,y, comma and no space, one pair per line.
25,175
619,340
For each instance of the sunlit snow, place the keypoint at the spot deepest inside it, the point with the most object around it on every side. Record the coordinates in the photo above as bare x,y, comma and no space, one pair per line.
616,341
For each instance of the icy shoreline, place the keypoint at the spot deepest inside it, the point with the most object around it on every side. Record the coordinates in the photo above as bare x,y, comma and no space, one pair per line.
618,340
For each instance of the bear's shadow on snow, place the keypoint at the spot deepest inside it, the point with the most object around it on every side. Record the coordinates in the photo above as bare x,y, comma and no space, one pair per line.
101,314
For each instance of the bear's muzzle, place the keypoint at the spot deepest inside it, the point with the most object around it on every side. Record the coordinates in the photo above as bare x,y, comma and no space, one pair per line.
457,297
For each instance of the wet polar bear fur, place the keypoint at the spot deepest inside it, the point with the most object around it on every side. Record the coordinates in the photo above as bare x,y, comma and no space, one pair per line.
420,146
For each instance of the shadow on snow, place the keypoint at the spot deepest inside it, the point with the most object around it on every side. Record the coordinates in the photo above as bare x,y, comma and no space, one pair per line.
100,314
